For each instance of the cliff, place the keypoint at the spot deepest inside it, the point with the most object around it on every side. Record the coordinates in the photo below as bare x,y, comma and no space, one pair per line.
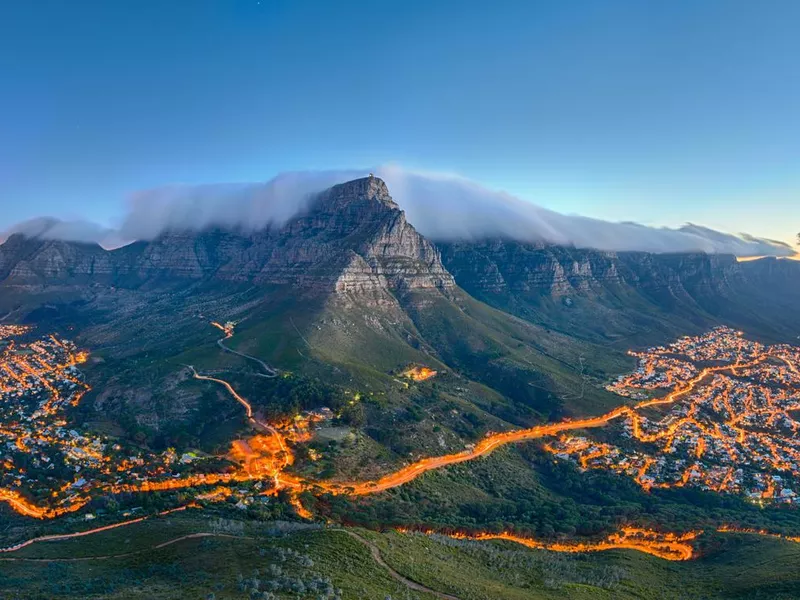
355,244
500,267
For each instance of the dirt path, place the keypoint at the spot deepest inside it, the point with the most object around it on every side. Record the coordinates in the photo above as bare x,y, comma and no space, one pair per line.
374,550
189,536
376,555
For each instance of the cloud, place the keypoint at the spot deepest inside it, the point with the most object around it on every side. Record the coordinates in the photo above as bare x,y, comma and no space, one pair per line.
50,228
241,206
442,207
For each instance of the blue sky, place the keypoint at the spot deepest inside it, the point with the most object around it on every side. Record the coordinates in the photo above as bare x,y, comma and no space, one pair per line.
659,112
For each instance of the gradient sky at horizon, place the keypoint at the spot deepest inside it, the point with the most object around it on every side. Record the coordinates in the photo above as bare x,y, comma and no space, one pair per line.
657,112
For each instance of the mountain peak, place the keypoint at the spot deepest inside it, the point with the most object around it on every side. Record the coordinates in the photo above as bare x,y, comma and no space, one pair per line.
366,189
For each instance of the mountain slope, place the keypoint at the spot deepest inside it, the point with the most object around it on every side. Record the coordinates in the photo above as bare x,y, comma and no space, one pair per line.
348,295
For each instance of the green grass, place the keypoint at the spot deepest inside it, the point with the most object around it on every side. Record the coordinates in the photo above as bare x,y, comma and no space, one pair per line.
733,566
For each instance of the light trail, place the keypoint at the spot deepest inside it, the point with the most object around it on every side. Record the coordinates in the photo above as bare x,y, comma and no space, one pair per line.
16,501
68,536
669,546
497,440
483,448
759,532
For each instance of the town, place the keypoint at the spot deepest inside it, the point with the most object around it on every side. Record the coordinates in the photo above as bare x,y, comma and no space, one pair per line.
732,431
51,468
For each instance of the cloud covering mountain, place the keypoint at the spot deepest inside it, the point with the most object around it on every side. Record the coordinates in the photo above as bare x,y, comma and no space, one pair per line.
441,207
50,228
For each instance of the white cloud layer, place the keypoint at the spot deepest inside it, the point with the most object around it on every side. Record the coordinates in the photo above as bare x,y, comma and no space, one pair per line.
50,228
441,207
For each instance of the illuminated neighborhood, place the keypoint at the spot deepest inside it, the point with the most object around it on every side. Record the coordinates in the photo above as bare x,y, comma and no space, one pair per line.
733,432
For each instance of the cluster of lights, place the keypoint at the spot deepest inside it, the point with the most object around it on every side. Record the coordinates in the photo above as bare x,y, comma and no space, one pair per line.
732,431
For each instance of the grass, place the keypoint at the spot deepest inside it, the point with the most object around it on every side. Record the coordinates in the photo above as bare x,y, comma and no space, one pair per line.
734,566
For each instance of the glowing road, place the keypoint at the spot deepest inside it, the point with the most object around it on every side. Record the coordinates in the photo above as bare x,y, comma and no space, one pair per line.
669,546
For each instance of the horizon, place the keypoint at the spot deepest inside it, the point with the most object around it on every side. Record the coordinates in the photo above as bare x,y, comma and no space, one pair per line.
620,113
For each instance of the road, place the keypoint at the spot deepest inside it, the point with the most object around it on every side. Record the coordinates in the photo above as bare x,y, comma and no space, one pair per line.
228,330
269,371
284,480
68,536
482,448
176,540
490,443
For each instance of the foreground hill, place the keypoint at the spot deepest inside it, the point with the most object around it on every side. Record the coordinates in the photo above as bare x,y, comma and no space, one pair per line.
192,556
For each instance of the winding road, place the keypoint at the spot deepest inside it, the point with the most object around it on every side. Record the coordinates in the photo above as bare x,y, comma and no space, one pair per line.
494,441
269,372
294,484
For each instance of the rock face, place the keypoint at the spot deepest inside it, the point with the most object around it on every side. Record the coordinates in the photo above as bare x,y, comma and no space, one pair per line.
24,259
354,239
603,295
500,267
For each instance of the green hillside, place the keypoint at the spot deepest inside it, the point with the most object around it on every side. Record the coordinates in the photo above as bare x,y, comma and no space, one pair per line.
231,558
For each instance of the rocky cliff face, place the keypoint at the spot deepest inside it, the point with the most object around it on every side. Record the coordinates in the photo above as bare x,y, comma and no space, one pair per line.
500,267
604,295
354,239
29,260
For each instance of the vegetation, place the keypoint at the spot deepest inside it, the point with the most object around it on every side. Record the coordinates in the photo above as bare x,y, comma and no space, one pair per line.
523,489
282,560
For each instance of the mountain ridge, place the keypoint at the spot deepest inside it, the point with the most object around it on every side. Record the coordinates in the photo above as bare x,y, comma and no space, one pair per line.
353,244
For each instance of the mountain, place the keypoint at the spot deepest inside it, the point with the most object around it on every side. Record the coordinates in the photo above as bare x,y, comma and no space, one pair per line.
354,238
347,302
349,293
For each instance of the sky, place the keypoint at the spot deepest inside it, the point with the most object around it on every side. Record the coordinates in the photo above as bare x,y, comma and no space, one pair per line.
657,112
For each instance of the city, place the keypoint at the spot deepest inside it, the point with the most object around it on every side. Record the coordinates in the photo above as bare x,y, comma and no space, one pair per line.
733,432
51,468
